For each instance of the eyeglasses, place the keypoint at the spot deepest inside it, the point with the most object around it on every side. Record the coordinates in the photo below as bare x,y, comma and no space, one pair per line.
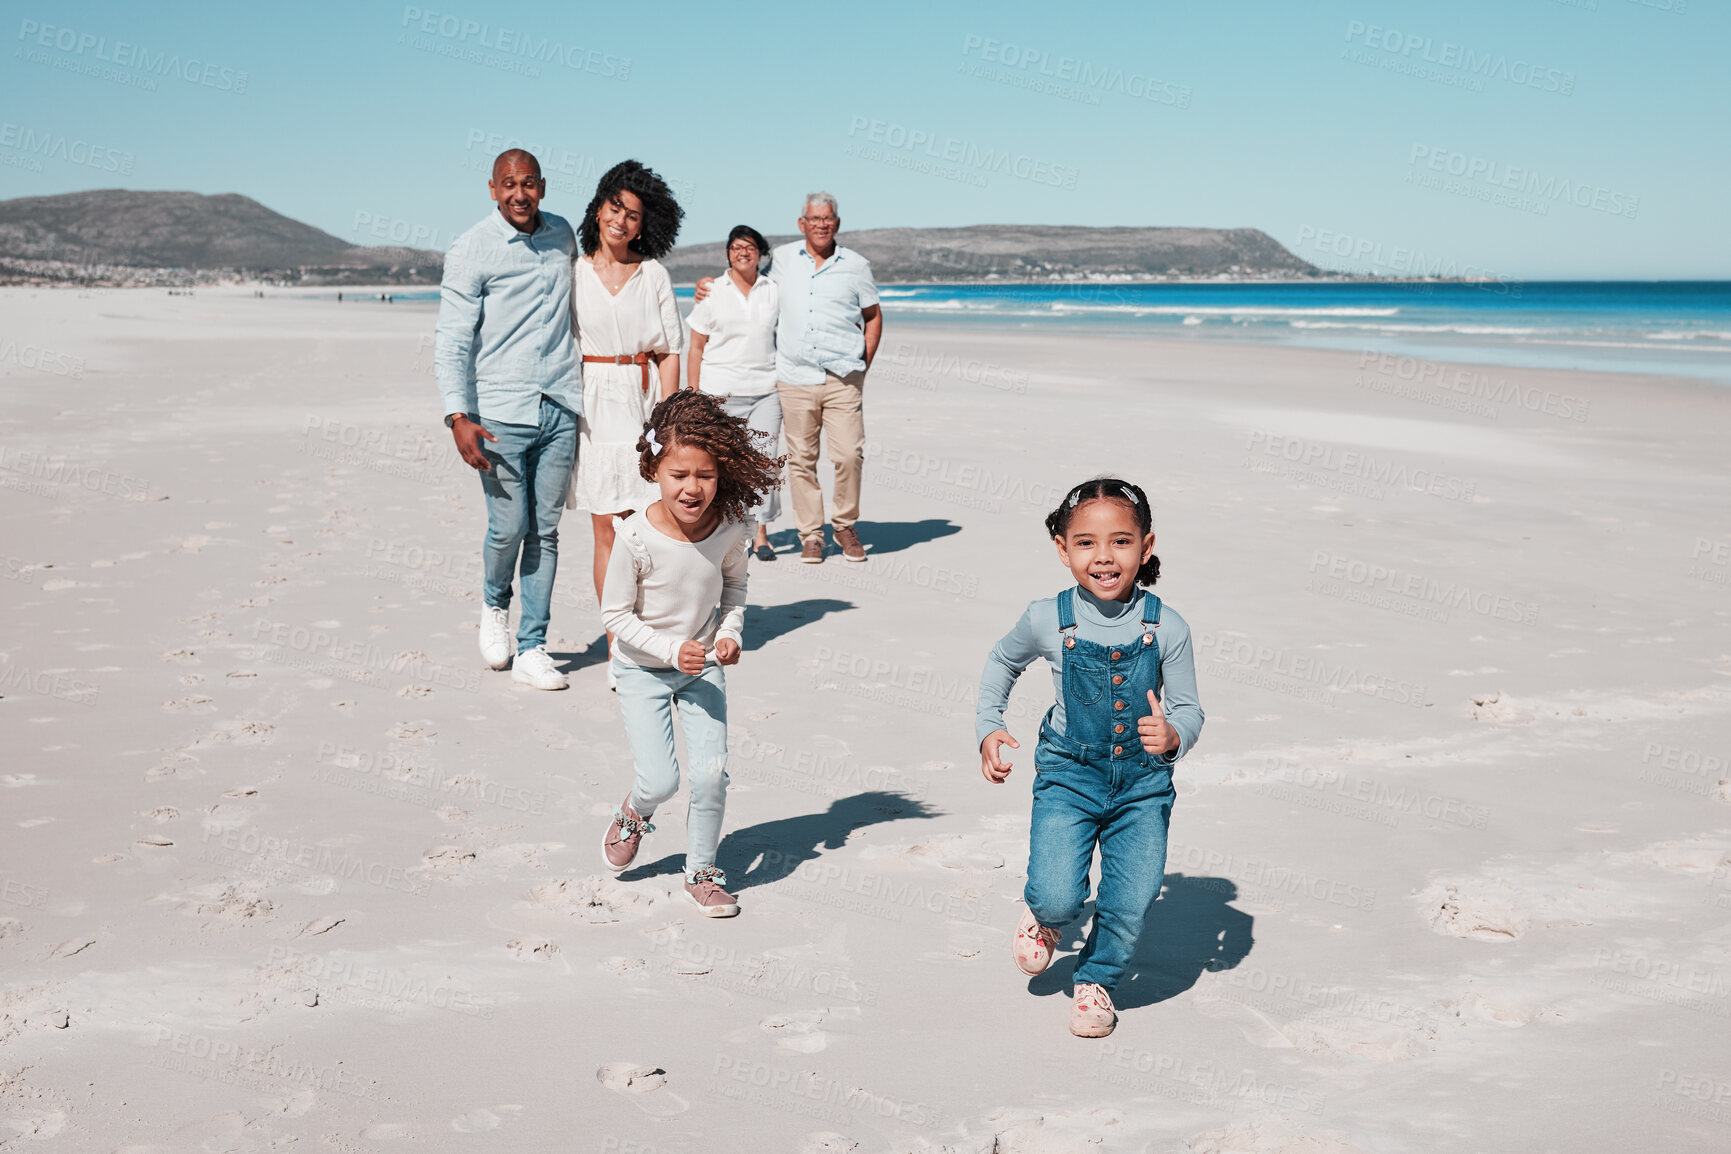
820,221
741,249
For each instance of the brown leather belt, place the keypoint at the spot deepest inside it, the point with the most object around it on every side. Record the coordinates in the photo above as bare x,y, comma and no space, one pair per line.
639,359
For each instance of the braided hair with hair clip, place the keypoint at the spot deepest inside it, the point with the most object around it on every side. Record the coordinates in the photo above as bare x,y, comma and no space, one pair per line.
1106,488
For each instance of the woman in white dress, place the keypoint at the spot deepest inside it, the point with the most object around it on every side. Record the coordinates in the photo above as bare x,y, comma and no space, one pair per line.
630,335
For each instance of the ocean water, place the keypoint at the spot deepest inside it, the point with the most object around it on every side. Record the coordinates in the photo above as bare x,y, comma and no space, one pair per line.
1675,328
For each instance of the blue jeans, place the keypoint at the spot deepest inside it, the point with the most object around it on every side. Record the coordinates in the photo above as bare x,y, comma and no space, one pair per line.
525,494
1095,783
1083,795
648,699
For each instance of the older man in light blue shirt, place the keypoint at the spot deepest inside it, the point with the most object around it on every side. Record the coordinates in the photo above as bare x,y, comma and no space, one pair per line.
508,369
825,339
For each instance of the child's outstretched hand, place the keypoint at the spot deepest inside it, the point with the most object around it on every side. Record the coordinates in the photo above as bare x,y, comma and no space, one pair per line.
995,768
727,651
1158,736
691,657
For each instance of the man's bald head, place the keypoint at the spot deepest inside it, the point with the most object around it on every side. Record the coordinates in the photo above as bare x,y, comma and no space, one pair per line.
517,187
515,158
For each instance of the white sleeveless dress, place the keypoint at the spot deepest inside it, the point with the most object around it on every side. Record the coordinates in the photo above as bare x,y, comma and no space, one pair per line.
643,318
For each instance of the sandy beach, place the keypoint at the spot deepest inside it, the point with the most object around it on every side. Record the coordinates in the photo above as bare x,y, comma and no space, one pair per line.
285,866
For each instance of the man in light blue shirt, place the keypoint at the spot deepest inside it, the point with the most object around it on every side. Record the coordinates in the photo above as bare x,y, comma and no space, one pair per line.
825,338
507,367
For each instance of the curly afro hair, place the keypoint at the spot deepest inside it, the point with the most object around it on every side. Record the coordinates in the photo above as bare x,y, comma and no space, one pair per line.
1108,489
745,472
661,213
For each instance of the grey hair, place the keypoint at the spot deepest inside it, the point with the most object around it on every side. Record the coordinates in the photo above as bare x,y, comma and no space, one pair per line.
822,198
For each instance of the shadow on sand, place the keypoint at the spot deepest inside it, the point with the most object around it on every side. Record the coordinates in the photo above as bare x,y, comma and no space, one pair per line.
771,850
1190,929
878,536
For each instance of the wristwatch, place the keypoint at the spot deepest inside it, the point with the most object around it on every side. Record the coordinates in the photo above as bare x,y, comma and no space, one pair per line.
451,418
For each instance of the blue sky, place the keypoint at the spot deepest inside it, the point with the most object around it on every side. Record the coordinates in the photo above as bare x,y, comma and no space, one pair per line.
1525,138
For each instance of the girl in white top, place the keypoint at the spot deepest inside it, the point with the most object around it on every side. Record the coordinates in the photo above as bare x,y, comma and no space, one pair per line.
675,599
630,335
733,353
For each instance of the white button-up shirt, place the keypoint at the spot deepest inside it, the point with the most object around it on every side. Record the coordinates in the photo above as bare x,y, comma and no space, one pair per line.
820,329
739,354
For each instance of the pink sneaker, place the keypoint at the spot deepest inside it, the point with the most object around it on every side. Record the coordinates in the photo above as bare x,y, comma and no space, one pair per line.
624,837
1092,1014
1034,945
705,889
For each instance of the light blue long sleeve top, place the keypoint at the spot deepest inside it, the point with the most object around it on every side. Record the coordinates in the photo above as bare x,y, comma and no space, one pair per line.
1105,622
504,332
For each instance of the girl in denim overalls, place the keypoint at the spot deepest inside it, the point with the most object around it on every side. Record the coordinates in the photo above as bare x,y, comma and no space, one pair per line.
1103,766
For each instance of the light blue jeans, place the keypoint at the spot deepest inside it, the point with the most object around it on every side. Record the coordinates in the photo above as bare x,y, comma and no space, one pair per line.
648,698
525,494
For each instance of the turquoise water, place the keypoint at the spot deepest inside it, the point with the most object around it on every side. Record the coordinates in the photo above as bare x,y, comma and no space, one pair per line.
1675,328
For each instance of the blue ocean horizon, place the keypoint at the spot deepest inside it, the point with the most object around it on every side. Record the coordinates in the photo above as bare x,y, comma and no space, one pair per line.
1668,328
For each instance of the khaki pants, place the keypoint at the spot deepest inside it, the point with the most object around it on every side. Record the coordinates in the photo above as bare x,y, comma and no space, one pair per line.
833,409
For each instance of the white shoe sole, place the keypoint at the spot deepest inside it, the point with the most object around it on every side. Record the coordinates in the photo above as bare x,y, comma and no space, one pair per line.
551,686
502,663
716,911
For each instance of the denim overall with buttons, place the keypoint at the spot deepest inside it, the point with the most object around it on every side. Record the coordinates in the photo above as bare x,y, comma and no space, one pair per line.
1096,784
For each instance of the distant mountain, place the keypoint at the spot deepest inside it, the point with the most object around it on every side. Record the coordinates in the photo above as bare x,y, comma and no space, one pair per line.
116,236
1009,252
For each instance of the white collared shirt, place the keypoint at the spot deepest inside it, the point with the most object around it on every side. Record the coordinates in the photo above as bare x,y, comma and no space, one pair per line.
739,355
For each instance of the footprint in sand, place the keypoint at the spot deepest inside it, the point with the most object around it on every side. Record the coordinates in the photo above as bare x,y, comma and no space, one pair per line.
800,1032
644,1086
829,1142
1267,1138
486,1118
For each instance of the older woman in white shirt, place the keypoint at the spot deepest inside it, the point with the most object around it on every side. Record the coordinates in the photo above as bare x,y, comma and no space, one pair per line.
732,355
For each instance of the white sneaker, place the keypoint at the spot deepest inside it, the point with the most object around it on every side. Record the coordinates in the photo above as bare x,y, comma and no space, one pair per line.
536,670
495,637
